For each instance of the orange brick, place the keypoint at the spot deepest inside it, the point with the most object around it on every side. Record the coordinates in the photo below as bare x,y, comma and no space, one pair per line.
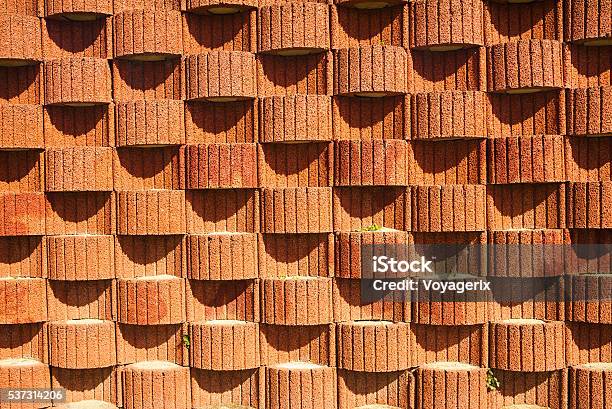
78,169
222,256
23,299
145,35
82,344
154,300
295,118
77,81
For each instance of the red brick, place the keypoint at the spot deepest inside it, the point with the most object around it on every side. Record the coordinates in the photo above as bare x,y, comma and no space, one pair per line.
374,346
384,390
24,373
446,25
155,384
21,171
137,343
82,344
590,385
297,75
148,80
589,112
293,28
23,299
77,81
22,214
316,201
63,38
587,159
80,213
220,76
462,384
588,67
370,71
139,256
581,258
23,257
295,164
285,343
296,301
588,22
463,343
215,166
354,27
25,7
149,122
78,10
81,300
223,300
146,35
78,169
588,343
371,163
227,389
20,39
224,345
527,345
287,255
21,85
464,70
154,300
301,384
222,256
21,126
223,210
99,385
80,257
151,212
148,169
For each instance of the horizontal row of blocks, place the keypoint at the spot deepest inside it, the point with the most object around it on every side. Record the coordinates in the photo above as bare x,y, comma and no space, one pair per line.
501,161
450,208
165,300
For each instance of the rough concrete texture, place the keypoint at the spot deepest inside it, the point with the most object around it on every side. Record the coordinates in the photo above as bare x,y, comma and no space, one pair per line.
464,385
21,126
22,256
586,205
63,37
243,389
151,212
205,32
57,8
24,373
375,163
80,257
138,168
150,122
296,118
219,166
79,126
587,20
202,5
588,111
23,300
154,300
147,34
364,389
594,378
316,201
585,308
222,256
348,305
82,344
19,36
79,169
301,385
75,81
296,255
166,385
530,390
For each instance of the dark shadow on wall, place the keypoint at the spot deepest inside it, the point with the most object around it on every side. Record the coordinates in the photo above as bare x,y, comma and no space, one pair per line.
218,118
593,63
363,25
145,163
292,248
222,205
146,250
385,116
145,338
459,70
219,32
281,75
520,109
16,166
514,20
21,85
76,121
78,294
517,199
78,206
139,76
74,37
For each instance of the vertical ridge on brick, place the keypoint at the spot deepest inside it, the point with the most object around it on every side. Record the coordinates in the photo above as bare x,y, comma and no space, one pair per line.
220,76
375,163
20,39
433,308
304,210
588,22
77,81
223,300
22,214
301,384
67,38
293,28
218,6
295,164
375,390
23,300
449,114
309,343
588,159
579,59
149,169
21,171
462,343
527,345
587,342
155,384
462,384
154,300
535,159
371,118
80,257
80,213
580,261
526,206
292,255
82,344
147,35
79,126
22,84
587,207
449,208
355,27
70,300
229,122
150,123
204,32
590,385
137,343
139,256
224,345
294,75
589,112
547,389
370,71
79,169
590,298
85,385
26,373
240,389
151,212
23,256
24,341
296,301
446,25
374,346
464,70
295,118
82,10
138,80
222,256
540,62
21,126
350,306
223,210
215,166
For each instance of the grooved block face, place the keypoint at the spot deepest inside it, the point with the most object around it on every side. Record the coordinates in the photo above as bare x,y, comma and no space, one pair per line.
588,343
371,163
537,159
589,385
590,298
18,36
227,389
449,114
301,384
587,205
349,306
23,257
449,208
155,384
294,75
143,168
295,118
139,256
588,67
155,300
382,390
204,32
368,4
464,70
295,164
297,301
21,171
156,212
222,210
589,111
527,345
293,28
24,373
356,208
64,38
79,126
229,122
223,300
296,210
23,299
293,255
286,343
447,25
21,85
218,7
534,304
588,22
370,71
374,346
215,166
580,260
371,118
147,80
80,257
447,162
21,127
465,343
462,309
587,159
547,390
137,343
82,81
224,345
24,7
74,300
354,27
463,385
220,76
82,344
80,213
24,341
22,214
144,35
78,11
524,206
150,123
222,256
78,169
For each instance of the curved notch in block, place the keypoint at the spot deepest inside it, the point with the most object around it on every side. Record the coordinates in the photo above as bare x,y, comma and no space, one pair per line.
219,7
151,123
79,169
151,212
222,256
143,382
301,384
371,163
222,166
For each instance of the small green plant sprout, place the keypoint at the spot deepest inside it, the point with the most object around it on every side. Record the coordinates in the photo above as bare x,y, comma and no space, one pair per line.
492,382
186,341
372,227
